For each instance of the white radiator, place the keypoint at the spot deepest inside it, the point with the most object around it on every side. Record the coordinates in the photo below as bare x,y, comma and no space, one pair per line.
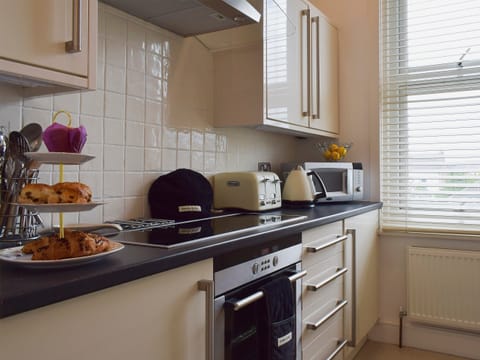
443,287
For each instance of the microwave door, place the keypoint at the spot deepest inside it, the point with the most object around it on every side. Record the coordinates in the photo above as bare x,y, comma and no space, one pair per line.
320,190
336,183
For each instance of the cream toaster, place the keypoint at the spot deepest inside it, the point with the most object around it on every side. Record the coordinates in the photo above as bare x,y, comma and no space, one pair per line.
251,190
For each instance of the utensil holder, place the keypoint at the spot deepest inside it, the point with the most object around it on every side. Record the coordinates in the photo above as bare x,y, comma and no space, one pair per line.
18,224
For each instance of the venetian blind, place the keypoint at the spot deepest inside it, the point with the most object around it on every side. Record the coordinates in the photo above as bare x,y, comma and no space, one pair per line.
430,127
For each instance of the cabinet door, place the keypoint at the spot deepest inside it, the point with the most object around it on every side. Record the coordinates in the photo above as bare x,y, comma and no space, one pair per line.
157,317
324,74
285,61
365,228
41,29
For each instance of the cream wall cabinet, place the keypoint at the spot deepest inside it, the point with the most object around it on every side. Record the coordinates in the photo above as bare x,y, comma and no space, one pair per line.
281,74
363,228
162,316
33,37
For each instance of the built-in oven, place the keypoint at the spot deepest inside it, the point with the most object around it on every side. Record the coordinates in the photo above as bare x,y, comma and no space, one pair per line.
240,328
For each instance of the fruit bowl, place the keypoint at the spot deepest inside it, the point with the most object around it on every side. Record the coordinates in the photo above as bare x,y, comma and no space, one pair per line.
333,151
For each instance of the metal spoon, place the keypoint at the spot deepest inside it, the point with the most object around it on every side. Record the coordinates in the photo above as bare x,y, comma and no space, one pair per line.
33,133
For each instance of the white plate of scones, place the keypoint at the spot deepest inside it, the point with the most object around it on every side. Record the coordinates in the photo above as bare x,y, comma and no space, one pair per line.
60,197
77,248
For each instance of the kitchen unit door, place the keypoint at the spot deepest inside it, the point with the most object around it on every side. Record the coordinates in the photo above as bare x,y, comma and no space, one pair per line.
324,74
363,310
285,61
162,316
48,42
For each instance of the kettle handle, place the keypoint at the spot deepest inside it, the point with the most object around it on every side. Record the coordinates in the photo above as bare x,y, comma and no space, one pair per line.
323,192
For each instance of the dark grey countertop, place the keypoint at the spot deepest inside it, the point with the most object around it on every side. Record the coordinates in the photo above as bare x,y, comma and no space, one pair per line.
23,289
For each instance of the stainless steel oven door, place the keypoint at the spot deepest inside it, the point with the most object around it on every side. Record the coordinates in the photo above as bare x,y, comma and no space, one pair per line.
236,335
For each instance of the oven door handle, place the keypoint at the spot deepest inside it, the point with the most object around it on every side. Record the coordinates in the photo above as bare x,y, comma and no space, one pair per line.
240,304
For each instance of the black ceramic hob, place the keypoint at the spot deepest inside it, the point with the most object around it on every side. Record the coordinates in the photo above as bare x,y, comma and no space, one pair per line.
167,234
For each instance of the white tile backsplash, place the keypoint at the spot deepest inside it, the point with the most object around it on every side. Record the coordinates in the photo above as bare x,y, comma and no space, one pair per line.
133,184
92,103
135,58
135,134
115,78
115,52
154,112
113,158
136,83
130,132
113,184
169,159
183,159
70,102
135,109
114,105
169,139
136,36
183,139
114,131
134,159
153,136
153,160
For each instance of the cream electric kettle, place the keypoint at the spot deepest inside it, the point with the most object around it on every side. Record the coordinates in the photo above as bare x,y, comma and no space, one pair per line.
299,189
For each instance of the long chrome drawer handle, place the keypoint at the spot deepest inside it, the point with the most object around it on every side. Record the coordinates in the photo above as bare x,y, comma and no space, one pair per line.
338,239
338,273
340,305
341,344
208,287
240,304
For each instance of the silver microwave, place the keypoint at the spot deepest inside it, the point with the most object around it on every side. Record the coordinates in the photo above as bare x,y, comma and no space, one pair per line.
337,181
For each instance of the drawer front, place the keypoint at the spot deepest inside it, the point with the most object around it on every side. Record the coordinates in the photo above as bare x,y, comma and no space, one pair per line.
323,339
311,259
321,232
314,299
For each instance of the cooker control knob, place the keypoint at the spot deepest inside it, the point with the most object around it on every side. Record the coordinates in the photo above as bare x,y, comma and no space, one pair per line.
255,268
275,261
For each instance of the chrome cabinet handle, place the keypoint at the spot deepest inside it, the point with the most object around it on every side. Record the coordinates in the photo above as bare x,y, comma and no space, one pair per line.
338,273
339,306
208,287
306,12
240,304
339,238
341,344
75,45
353,233
316,25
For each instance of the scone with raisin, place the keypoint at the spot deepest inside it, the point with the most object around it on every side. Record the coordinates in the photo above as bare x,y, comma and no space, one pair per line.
73,244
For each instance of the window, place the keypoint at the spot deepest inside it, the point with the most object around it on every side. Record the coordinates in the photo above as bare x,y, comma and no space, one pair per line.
430,126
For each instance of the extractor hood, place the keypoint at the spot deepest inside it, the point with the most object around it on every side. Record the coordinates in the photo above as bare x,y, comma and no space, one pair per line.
191,17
